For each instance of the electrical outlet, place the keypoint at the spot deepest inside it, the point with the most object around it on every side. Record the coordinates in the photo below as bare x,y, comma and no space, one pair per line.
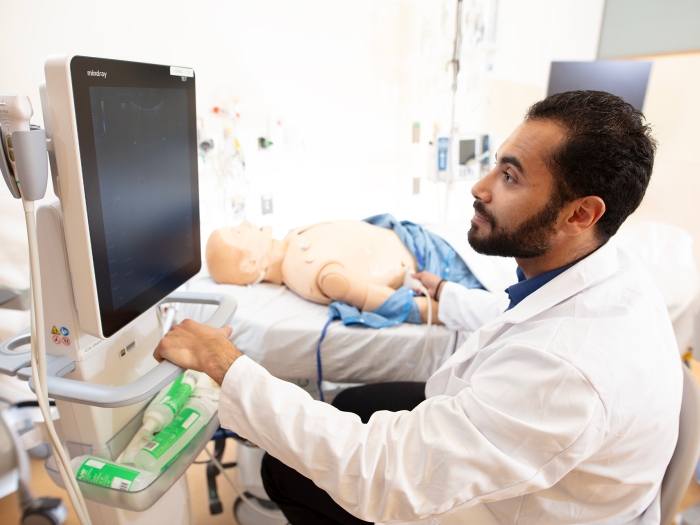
416,185
266,201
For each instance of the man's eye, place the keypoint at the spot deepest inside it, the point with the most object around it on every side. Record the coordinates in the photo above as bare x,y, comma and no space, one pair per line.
507,177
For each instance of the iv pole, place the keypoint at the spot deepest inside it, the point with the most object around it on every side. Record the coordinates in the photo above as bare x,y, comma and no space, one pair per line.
455,72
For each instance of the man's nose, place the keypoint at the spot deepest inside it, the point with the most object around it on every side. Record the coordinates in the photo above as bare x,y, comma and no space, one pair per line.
482,190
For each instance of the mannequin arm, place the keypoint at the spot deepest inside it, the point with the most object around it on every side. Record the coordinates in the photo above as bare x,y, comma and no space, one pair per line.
422,303
337,284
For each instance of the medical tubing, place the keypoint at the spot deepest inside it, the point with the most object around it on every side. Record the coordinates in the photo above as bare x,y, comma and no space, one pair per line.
425,292
241,493
319,367
38,365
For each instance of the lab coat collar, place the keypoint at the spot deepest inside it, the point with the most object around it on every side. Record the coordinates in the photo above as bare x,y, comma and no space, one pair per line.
593,269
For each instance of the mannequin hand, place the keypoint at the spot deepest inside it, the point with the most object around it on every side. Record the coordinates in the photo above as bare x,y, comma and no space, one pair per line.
199,347
429,280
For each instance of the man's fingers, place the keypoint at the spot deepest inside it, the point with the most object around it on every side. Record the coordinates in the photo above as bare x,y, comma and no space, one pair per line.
156,354
227,331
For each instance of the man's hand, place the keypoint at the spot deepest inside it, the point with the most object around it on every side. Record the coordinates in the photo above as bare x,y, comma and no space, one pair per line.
429,280
199,347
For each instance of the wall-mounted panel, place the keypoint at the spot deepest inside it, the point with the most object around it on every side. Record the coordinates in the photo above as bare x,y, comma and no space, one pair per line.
649,27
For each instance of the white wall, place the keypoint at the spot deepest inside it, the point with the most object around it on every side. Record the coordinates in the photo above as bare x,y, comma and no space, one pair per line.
345,79
672,108
530,36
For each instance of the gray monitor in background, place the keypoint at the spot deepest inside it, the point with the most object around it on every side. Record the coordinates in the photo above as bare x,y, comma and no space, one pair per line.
627,79
467,150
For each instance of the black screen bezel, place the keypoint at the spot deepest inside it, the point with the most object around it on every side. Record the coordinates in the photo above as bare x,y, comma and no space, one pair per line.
127,75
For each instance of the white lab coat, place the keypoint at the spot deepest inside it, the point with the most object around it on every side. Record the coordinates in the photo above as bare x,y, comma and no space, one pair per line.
562,410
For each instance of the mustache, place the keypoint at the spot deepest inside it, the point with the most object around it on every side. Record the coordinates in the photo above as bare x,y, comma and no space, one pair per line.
480,208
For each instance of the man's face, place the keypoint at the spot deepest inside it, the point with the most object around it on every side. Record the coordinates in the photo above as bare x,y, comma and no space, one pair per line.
517,206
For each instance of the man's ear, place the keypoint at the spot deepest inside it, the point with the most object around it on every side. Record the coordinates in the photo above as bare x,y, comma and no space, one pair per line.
583,214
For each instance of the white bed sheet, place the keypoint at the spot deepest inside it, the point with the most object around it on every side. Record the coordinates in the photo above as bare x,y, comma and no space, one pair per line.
280,330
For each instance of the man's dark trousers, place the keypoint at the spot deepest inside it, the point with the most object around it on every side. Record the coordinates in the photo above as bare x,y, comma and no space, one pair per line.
302,502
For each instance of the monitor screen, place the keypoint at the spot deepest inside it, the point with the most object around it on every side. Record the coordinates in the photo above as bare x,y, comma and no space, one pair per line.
137,135
467,150
627,79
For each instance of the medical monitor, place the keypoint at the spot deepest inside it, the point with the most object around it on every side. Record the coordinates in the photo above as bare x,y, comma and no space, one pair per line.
627,79
124,136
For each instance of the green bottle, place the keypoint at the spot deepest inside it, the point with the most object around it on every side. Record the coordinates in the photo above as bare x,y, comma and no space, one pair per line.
165,446
162,410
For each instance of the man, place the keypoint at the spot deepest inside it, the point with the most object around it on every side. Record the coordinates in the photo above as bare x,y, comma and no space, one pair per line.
563,409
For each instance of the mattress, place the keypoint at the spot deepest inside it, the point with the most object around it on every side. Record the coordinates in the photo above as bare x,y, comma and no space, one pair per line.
280,331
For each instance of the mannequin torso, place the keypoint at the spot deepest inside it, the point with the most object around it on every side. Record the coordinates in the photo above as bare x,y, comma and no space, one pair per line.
368,253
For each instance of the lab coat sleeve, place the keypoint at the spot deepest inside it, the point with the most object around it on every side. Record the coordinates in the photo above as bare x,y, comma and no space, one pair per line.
525,420
462,308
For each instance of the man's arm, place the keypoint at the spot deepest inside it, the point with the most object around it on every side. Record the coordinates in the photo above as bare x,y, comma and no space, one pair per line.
488,442
479,446
462,308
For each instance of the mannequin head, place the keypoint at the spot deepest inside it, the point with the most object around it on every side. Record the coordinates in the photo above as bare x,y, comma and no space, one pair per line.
240,254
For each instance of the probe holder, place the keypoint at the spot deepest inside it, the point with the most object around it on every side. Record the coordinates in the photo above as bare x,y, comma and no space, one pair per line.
143,499
74,391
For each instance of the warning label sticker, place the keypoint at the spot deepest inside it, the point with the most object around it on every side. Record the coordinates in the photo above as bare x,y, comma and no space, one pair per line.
55,331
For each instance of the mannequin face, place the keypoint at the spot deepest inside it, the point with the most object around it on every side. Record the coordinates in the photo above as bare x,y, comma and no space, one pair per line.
243,252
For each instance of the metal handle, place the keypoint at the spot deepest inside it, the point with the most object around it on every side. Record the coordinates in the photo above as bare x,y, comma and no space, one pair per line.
151,382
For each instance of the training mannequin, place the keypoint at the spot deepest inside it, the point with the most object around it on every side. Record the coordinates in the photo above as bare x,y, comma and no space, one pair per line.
350,261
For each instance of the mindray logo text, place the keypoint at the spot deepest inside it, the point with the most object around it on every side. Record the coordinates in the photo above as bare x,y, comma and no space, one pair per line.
102,74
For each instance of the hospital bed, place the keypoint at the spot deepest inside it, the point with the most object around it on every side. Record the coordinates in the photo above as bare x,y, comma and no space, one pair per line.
281,331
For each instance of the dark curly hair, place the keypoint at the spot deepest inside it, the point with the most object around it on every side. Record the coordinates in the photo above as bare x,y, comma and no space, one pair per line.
608,152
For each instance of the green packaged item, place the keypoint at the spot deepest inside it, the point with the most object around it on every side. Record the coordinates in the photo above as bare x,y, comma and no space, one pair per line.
108,474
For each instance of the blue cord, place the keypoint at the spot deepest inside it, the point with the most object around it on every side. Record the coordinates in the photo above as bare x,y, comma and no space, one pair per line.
319,367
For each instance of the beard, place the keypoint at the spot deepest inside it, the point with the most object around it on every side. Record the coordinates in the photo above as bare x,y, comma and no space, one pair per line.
530,239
